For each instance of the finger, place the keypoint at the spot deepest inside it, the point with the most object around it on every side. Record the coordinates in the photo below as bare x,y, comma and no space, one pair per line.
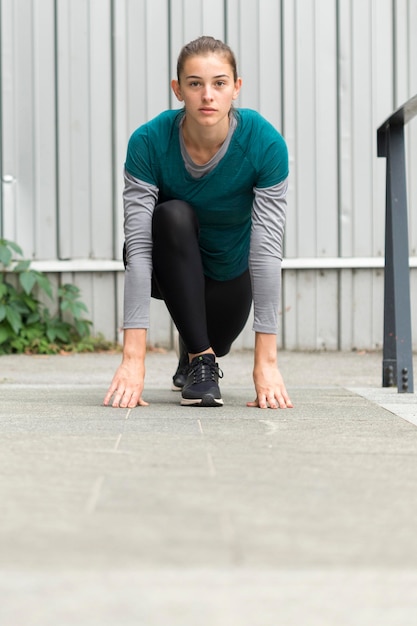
260,403
132,399
272,403
118,399
109,394
128,399
133,402
284,401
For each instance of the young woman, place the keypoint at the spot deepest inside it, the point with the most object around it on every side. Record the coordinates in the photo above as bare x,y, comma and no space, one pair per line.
205,204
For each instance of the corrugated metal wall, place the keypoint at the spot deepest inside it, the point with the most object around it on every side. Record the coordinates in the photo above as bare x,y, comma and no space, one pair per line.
78,76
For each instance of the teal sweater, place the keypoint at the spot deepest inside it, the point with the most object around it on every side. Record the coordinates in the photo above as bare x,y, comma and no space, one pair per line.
256,157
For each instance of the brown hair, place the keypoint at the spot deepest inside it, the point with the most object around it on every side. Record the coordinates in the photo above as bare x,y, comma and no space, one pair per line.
206,45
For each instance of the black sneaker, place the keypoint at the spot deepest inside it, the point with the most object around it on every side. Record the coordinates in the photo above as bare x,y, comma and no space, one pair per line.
180,377
201,388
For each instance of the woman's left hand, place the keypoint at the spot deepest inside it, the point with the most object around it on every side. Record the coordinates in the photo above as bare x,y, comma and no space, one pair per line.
270,388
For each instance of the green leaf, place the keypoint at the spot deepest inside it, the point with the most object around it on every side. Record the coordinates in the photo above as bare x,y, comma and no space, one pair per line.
50,333
4,334
33,318
28,280
2,312
12,245
31,304
83,327
5,256
80,306
22,266
44,283
3,290
14,319
63,334
19,306
69,290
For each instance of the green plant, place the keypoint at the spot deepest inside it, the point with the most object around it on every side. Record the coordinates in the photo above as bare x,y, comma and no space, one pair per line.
26,324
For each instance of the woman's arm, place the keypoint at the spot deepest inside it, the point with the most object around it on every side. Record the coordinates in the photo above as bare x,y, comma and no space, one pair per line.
127,385
265,255
268,223
139,199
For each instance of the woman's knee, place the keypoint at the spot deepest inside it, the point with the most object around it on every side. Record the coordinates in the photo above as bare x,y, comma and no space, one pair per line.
221,349
174,217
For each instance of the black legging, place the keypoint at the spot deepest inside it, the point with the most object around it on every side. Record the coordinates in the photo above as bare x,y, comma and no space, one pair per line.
206,312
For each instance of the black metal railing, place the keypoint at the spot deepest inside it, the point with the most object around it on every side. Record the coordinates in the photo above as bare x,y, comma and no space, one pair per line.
397,366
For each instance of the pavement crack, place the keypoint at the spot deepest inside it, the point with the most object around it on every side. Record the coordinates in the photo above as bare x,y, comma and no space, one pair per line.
94,496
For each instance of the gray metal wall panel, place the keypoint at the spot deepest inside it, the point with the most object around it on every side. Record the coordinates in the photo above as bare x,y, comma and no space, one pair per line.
310,126
44,162
325,73
84,129
28,131
406,87
74,110
101,164
140,82
254,33
189,20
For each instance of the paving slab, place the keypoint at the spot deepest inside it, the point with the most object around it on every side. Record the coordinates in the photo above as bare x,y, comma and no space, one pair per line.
170,515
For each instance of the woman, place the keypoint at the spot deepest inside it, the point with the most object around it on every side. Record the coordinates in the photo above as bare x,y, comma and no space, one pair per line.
204,201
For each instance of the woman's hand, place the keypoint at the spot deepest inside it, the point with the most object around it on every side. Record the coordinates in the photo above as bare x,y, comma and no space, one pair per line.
270,389
127,385
269,384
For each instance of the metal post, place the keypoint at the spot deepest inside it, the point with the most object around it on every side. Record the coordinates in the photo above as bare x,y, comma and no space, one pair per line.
397,354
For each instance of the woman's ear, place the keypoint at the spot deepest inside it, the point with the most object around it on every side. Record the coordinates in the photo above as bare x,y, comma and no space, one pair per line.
238,85
176,88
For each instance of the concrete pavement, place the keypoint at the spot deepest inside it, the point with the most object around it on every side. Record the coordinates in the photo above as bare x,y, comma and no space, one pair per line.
170,515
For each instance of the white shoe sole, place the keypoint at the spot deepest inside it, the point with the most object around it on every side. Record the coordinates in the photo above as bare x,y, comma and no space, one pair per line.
207,400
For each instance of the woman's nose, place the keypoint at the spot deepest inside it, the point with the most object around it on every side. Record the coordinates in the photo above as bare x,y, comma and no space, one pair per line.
207,94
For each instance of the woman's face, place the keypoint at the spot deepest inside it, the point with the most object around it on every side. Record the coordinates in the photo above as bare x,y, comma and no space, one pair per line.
207,88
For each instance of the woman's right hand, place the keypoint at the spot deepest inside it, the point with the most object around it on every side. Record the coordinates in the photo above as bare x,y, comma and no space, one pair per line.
126,387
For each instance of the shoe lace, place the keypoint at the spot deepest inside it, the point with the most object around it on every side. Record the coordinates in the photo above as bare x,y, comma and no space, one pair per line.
204,370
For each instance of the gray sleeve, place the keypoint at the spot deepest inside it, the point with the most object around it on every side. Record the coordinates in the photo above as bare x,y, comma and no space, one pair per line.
265,256
139,199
